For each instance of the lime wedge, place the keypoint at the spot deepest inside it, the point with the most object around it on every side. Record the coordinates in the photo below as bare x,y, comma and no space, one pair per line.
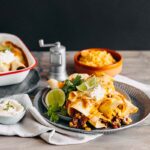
82,87
88,84
55,97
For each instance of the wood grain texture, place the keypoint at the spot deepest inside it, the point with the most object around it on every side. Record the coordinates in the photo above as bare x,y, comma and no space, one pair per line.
136,66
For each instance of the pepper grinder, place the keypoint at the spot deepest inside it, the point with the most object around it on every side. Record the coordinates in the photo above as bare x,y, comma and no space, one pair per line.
57,60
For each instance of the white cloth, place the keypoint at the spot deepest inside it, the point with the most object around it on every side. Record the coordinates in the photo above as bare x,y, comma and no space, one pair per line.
33,124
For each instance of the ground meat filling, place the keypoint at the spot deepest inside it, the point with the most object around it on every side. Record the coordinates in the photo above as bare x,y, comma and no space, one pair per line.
79,121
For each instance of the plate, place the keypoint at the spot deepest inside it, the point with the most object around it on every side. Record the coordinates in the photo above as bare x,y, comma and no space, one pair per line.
28,85
138,98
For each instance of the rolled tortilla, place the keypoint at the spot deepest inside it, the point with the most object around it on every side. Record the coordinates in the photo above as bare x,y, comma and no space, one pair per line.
4,67
17,51
16,65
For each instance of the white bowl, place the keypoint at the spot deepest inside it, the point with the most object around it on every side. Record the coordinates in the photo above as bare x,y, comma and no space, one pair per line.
12,119
24,100
14,77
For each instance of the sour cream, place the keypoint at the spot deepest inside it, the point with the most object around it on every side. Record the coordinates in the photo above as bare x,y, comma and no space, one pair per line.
10,107
98,93
7,57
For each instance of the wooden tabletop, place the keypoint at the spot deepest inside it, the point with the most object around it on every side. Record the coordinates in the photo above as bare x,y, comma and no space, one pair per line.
136,66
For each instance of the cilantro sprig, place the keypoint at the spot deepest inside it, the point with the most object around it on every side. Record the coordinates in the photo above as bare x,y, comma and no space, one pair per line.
8,106
4,48
53,112
71,85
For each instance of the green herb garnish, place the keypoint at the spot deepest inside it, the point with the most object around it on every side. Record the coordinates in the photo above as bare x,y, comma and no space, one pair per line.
53,112
71,85
4,48
8,105
63,111
77,81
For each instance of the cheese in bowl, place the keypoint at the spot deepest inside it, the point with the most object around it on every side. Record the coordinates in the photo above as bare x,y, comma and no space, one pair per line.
95,58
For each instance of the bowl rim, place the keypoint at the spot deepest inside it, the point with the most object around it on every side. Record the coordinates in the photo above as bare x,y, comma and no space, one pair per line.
113,52
25,69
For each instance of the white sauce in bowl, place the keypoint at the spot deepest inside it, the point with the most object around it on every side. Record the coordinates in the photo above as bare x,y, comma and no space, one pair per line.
10,107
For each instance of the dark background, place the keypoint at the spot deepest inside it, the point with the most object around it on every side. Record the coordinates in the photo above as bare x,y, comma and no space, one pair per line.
79,24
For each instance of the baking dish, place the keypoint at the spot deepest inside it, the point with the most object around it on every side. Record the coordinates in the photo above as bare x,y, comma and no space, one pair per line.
14,77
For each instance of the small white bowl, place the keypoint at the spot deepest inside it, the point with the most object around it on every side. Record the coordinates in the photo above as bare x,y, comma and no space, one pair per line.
24,100
8,120
14,77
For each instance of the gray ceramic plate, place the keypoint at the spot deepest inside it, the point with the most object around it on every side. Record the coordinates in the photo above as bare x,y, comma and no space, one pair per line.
137,97
28,85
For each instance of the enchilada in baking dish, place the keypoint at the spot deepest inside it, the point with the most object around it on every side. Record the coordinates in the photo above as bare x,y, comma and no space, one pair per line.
12,57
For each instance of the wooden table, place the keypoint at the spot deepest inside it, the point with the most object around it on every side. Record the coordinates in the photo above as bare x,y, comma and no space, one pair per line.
136,66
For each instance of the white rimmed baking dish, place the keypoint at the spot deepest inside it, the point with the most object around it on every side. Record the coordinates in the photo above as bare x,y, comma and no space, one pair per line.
14,77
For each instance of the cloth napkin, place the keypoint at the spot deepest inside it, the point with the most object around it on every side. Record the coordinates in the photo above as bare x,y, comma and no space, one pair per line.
33,124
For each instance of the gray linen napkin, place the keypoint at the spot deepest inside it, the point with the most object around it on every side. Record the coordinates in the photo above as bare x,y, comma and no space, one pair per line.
33,124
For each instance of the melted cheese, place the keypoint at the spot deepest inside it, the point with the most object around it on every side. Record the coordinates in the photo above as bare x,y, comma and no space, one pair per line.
101,104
